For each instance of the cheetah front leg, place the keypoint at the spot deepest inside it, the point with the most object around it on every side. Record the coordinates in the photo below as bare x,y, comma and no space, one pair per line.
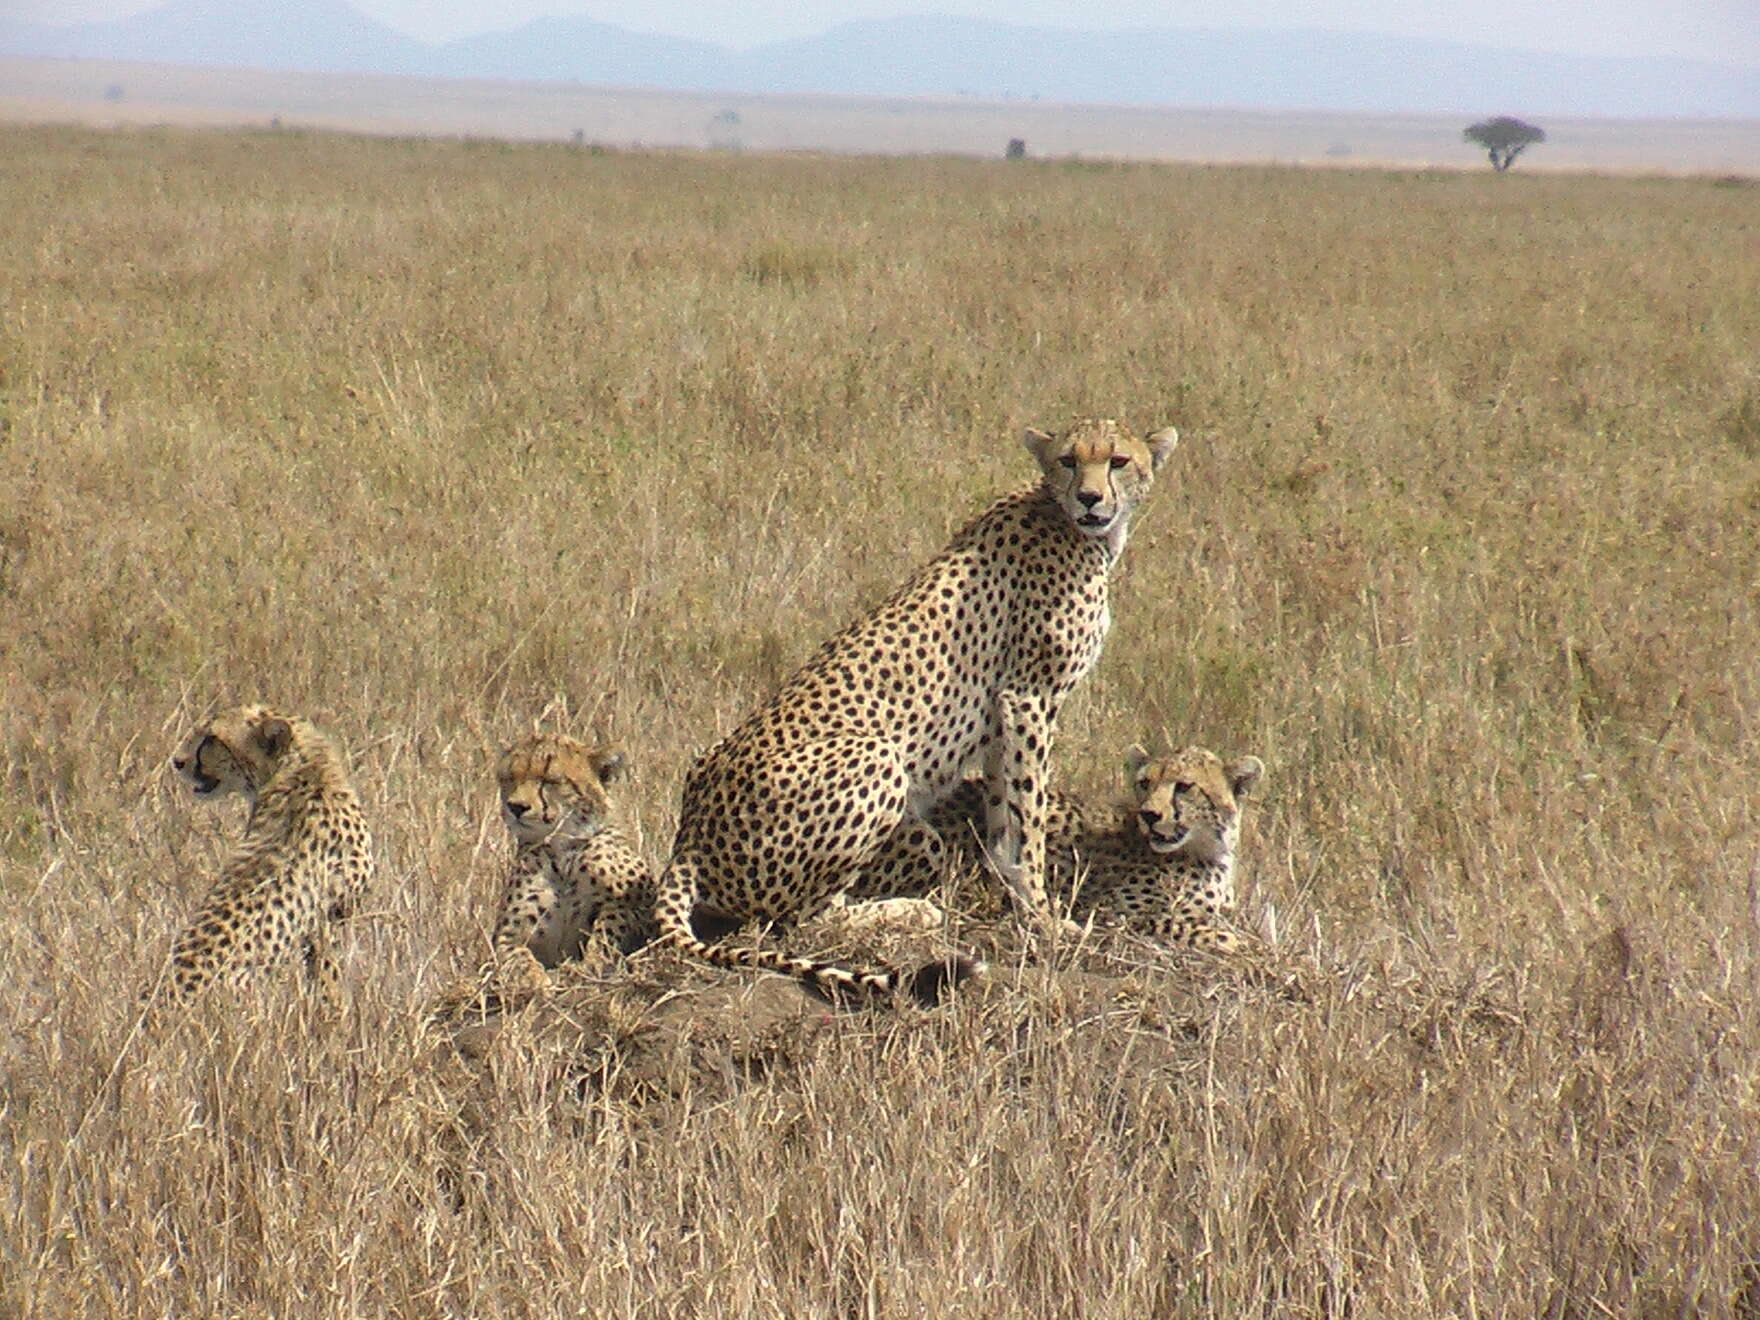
1017,767
1191,927
1168,920
865,915
524,941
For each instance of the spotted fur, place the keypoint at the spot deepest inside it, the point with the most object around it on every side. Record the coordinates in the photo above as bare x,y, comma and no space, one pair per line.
575,875
1167,869
1163,868
969,661
305,860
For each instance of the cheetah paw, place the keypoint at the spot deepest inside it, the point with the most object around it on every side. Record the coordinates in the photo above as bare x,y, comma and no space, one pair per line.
900,914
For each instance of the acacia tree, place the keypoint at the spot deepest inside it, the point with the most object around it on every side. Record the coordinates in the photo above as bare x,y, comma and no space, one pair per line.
1504,139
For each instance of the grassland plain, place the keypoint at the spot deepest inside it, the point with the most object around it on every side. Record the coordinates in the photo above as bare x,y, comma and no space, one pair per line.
427,440
72,91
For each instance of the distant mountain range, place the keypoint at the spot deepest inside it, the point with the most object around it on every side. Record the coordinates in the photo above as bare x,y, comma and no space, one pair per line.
935,56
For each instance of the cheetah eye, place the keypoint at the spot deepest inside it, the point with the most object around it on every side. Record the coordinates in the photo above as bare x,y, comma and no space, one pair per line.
1183,786
1068,461
1119,460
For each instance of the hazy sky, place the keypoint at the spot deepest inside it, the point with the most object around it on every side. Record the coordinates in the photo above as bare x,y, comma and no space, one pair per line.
1727,31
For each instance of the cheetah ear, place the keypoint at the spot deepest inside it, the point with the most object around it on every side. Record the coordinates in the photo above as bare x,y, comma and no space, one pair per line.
1136,756
273,735
608,765
1161,443
1038,443
1243,774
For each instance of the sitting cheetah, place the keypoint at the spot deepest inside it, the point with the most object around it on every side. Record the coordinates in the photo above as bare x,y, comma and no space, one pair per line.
306,856
969,661
574,873
1165,868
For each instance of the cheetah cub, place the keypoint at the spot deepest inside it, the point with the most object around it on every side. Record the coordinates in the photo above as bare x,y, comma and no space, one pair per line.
1167,868
1163,865
575,875
305,860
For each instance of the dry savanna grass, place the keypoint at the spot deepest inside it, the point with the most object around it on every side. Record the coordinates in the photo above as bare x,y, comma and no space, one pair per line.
431,440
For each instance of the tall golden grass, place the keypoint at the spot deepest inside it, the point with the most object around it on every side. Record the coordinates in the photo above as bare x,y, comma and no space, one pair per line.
429,440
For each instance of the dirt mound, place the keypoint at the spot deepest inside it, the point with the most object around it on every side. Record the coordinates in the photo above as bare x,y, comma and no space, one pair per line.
661,1027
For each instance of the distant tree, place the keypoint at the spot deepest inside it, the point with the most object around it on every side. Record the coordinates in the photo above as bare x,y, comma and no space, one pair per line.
113,93
1017,149
1504,139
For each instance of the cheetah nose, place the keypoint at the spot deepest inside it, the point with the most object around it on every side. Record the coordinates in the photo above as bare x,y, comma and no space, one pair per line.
1089,498
515,809
177,763
1150,818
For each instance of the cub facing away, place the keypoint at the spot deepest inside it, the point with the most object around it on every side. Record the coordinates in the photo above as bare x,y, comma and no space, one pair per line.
305,858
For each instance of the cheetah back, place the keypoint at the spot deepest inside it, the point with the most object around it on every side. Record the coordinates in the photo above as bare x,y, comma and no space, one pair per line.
305,858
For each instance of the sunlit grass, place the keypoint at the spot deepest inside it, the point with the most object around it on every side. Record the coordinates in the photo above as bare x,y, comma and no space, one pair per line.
426,440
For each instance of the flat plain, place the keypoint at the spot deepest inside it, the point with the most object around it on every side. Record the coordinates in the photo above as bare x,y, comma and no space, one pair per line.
432,440
115,93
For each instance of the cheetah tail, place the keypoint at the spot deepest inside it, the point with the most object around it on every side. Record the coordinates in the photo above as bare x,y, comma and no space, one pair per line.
830,981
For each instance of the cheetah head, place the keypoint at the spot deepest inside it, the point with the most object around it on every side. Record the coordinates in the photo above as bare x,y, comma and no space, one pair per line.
1099,471
552,786
1189,802
235,751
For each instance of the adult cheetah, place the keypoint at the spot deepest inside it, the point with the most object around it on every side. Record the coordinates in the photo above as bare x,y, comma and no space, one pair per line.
306,857
969,661
1163,867
574,874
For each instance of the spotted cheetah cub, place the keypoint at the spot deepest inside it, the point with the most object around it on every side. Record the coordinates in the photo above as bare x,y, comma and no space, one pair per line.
1163,866
305,860
1167,868
574,875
